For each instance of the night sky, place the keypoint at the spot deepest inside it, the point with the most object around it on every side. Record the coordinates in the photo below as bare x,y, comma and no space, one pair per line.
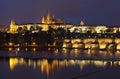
92,12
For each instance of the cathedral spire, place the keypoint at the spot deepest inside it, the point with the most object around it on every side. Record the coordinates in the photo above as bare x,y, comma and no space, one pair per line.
12,22
48,16
48,19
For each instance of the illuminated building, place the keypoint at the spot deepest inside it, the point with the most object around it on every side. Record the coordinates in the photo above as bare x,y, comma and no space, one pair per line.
51,21
86,29
4,28
46,22
13,27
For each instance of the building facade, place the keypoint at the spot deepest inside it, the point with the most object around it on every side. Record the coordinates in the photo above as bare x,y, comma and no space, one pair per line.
46,22
51,21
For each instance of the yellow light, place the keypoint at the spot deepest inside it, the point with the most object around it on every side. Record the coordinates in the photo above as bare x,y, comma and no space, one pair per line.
55,64
64,45
34,43
12,63
10,44
102,45
117,40
45,67
118,46
34,49
100,63
87,45
10,49
75,45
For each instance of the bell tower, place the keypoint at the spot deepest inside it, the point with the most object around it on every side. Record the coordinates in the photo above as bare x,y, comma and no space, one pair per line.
13,27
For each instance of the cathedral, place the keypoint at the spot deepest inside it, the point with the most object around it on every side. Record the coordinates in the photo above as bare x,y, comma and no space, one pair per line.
50,19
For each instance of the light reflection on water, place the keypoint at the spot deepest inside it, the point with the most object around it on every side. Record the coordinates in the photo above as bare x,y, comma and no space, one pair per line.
47,66
54,63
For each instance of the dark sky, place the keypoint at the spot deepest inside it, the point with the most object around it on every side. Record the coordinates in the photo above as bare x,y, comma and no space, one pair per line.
93,12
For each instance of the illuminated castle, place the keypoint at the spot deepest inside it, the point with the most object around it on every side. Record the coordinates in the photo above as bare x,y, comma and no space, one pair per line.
48,21
51,21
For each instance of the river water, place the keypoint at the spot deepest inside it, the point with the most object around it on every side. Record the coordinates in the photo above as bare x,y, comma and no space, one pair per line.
58,64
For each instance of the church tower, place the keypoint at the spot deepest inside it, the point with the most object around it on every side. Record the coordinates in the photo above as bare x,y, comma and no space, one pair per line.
48,18
13,27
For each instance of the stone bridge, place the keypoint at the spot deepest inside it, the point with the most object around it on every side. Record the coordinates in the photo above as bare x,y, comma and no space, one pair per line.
92,43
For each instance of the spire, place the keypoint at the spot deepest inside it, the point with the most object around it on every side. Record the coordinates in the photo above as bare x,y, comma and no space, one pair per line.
13,27
48,16
81,23
12,22
43,19
48,13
